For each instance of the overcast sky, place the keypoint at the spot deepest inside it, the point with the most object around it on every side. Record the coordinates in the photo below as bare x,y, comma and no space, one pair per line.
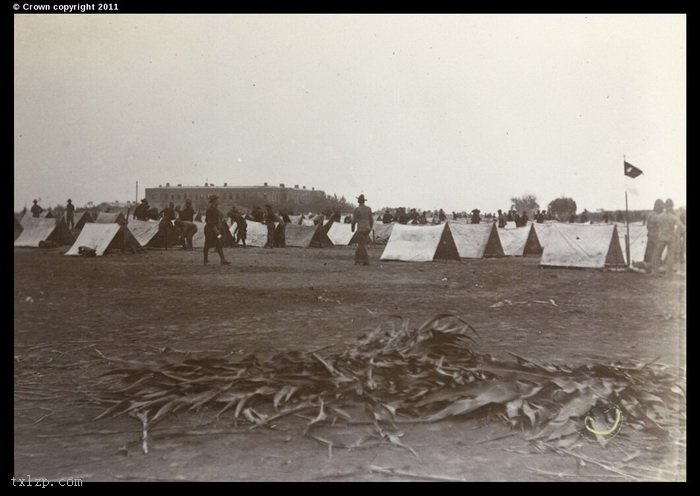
427,111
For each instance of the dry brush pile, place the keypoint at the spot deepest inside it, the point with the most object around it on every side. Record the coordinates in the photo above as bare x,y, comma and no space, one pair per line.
397,374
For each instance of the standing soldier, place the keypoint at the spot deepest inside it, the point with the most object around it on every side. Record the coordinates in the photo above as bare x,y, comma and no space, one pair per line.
141,212
36,209
270,219
213,238
652,233
362,218
186,230
476,218
166,222
187,212
666,238
70,212
241,231
502,219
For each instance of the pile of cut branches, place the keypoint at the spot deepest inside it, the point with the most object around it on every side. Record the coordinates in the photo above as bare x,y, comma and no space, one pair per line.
398,374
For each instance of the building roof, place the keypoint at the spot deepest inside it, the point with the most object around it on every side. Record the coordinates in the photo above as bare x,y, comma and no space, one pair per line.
230,186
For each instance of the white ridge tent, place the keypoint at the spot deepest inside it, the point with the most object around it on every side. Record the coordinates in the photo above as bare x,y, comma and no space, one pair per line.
381,232
27,216
143,230
477,240
110,217
103,238
81,218
256,234
306,236
36,230
340,234
18,228
582,245
411,243
198,238
543,231
638,241
520,241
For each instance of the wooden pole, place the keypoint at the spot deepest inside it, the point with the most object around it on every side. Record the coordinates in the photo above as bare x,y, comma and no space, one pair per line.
627,236
627,220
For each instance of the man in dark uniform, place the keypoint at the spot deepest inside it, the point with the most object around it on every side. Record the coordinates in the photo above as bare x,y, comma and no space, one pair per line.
335,217
241,231
212,231
524,219
186,230
502,222
476,218
257,214
36,209
70,213
141,212
362,218
167,216
187,212
270,219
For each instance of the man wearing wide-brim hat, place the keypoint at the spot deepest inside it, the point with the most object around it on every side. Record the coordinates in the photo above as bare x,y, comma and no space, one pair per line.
213,237
141,211
70,214
362,218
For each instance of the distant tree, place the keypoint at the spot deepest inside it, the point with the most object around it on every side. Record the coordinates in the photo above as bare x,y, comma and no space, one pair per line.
562,208
526,203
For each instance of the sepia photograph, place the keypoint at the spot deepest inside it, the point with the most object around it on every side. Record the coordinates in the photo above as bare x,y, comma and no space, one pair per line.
347,247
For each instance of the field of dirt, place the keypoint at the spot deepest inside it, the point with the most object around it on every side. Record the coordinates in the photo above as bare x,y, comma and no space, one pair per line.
70,312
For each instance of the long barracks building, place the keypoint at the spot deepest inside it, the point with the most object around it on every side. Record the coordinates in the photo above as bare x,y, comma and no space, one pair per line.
242,196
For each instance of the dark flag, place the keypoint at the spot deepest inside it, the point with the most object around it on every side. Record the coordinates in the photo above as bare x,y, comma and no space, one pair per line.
631,170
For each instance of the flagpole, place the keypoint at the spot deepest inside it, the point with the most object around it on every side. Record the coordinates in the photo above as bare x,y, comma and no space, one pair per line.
627,220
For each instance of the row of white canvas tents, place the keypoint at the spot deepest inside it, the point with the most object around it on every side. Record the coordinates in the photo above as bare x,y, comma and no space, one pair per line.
33,231
453,241
565,245
561,245
79,218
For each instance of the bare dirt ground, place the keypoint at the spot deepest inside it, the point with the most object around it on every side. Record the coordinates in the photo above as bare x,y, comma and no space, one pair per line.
166,303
